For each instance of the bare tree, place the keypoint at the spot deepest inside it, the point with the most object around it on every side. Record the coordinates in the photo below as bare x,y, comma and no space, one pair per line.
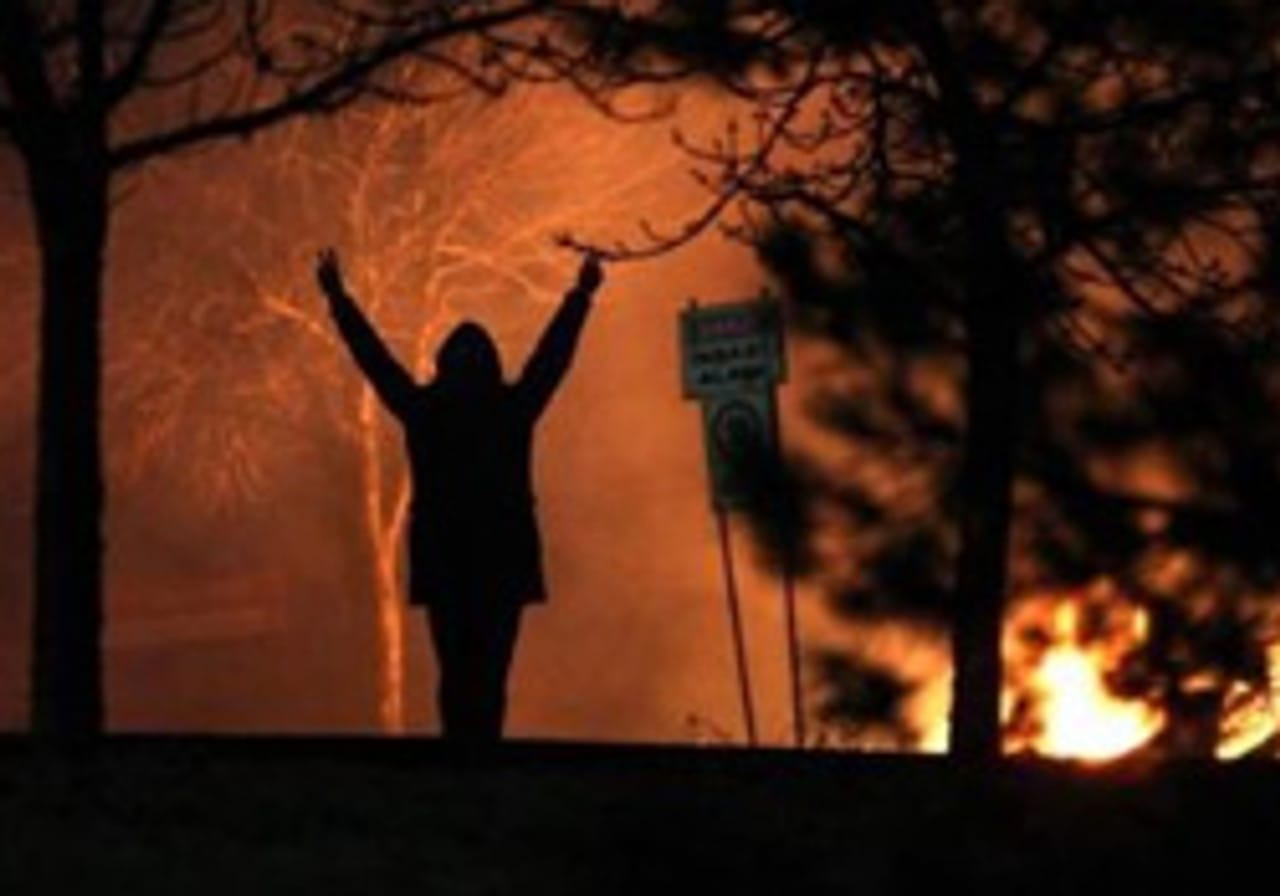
443,212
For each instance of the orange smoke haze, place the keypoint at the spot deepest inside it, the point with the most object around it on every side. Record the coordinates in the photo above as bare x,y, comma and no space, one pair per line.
256,492
242,573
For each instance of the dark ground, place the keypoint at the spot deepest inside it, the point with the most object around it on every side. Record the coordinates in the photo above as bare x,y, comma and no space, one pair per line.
218,815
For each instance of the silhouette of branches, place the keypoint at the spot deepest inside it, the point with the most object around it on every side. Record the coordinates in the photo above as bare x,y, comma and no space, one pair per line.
925,178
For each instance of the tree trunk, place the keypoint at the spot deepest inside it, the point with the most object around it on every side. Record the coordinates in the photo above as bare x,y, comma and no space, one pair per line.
387,592
992,301
70,202
986,487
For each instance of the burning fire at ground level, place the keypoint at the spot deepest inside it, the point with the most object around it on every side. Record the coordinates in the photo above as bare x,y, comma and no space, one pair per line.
1061,700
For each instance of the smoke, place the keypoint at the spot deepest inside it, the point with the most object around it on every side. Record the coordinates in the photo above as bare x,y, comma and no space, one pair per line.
238,567
242,586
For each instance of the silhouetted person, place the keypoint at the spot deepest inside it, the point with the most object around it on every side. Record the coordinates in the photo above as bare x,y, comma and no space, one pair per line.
474,550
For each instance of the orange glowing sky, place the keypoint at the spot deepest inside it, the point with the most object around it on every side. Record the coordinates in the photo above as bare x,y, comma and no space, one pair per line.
239,574
207,619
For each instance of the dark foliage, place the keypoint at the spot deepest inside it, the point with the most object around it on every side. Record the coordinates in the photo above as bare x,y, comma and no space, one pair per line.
1032,228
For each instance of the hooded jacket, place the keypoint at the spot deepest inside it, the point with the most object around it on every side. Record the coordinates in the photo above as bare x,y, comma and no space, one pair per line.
473,532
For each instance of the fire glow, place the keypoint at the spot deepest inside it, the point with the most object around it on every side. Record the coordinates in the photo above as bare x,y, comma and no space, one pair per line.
1082,719
1060,703
1057,700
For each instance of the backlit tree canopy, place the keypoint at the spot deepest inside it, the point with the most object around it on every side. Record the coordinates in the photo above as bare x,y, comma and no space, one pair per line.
982,203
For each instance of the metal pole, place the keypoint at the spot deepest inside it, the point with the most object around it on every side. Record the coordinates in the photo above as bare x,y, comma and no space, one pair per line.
789,604
735,619
793,652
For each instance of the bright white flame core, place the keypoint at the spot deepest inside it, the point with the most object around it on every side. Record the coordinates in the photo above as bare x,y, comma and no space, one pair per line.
1082,719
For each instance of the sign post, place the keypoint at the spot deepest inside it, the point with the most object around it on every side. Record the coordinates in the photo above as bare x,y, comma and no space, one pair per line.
731,361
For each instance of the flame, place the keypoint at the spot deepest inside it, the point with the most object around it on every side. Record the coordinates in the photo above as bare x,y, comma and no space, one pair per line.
1077,716
1074,712
1247,724
1082,718
1250,719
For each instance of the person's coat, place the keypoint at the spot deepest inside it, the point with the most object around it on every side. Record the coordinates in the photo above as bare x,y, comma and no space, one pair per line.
473,532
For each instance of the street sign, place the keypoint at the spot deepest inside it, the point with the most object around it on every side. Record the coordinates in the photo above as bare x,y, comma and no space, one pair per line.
740,437
729,348
731,361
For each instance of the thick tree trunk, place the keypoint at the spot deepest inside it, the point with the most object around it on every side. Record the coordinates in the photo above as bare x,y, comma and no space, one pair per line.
993,301
986,487
71,217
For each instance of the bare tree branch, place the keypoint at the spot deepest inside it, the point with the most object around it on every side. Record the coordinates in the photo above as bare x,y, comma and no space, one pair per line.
22,66
738,171
89,18
127,76
327,92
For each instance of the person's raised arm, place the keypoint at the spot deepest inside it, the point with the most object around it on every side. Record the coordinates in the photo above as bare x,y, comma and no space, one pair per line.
390,381
551,357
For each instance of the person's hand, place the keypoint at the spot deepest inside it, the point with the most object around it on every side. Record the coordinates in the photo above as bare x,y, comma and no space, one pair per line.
328,274
590,275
